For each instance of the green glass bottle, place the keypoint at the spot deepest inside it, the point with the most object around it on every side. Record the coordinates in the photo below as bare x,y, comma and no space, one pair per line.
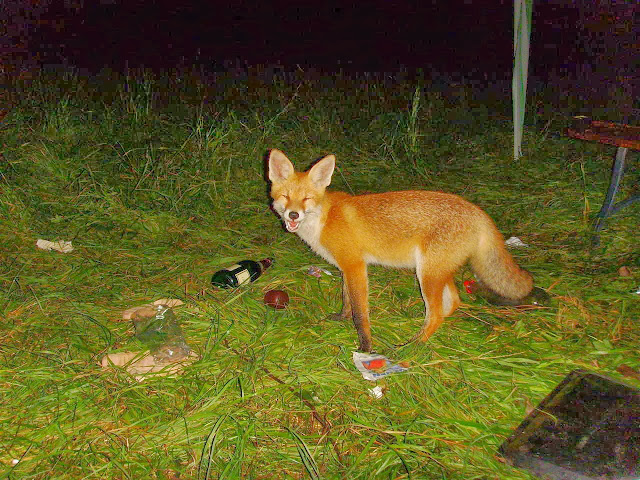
242,272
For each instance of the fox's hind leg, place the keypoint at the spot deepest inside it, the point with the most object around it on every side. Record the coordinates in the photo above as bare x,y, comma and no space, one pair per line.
450,298
439,294
432,289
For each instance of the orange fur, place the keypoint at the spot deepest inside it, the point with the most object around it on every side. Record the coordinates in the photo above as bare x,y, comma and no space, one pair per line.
434,233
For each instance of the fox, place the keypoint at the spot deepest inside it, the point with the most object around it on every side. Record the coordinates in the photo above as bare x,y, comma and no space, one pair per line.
431,232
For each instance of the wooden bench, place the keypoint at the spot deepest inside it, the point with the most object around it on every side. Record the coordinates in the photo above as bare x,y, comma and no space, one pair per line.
624,137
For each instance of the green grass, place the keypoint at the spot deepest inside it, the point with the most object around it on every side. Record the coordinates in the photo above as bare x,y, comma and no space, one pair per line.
159,182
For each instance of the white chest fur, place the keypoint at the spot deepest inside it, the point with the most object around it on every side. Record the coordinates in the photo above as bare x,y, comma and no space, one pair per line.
310,231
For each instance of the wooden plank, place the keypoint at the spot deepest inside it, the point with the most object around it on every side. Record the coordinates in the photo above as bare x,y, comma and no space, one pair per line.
620,135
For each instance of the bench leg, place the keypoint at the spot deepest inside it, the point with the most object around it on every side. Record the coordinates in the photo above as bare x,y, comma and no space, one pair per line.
616,177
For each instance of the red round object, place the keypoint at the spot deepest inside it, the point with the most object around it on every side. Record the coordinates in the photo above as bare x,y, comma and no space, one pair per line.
277,299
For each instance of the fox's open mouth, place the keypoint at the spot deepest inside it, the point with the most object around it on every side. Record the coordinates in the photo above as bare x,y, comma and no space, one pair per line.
292,225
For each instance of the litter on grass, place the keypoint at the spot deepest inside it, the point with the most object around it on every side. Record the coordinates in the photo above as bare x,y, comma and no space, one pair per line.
515,242
61,246
376,392
317,271
374,367
161,333
159,330
140,364
148,309
624,271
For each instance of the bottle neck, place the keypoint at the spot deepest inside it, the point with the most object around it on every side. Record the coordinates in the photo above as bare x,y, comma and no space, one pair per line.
266,263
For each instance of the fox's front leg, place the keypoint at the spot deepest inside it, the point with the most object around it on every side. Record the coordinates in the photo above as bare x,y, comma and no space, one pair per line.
355,292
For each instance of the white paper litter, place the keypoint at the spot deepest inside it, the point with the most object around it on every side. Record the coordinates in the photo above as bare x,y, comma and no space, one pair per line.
61,246
515,242
376,392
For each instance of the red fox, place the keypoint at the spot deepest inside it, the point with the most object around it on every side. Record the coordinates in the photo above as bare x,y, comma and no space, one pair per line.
434,233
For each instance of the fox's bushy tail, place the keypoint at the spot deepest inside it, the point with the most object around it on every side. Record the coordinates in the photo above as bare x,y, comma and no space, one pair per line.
496,269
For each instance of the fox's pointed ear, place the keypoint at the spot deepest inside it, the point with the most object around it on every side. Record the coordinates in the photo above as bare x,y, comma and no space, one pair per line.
322,171
280,167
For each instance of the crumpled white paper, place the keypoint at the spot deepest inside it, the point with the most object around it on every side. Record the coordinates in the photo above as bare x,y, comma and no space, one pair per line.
61,246
515,242
376,392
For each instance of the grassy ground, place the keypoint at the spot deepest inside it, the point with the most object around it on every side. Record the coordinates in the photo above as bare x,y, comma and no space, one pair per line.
159,182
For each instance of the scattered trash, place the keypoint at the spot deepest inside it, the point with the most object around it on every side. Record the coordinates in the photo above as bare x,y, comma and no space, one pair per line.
470,286
317,271
162,335
138,364
376,392
242,272
624,271
159,330
515,242
374,366
148,309
277,299
61,246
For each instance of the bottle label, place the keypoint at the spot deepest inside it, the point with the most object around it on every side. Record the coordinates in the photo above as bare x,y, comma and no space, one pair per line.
241,273
242,276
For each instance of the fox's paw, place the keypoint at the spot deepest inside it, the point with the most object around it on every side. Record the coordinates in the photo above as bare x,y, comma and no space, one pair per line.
338,317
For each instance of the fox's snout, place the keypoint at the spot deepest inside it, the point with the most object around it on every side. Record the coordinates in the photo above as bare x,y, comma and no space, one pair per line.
292,220
292,211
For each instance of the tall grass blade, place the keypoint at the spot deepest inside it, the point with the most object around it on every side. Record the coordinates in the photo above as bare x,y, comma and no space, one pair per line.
208,449
305,455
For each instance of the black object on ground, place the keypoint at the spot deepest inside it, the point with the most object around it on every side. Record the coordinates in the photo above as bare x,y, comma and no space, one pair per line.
588,428
242,272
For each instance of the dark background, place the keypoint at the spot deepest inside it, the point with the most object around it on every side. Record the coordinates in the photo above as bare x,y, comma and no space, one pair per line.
585,46
460,35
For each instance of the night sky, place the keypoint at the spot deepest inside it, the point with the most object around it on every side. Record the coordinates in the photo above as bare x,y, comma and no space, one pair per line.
447,35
